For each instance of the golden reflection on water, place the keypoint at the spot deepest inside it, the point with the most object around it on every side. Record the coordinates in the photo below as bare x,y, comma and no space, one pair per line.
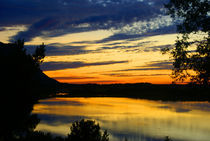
134,118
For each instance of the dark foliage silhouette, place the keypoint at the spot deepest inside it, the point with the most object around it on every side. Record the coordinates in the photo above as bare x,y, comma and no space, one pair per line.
39,55
167,139
19,90
86,130
40,136
195,21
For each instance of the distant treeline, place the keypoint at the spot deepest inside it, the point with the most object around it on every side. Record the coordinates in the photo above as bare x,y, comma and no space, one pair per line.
171,92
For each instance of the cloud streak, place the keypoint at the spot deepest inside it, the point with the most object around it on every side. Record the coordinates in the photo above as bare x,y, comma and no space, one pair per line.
154,65
50,66
131,75
73,77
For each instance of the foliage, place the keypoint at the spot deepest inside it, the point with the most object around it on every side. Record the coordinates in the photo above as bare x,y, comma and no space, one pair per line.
39,54
86,130
17,72
194,16
40,136
193,13
167,139
19,67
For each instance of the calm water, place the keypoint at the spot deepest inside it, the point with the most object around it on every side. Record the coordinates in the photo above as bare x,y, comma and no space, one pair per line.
134,119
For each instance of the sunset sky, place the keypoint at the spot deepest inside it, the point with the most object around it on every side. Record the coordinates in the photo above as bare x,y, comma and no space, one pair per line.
94,41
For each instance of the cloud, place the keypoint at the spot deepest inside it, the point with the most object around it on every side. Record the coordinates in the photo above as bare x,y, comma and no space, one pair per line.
154,65
98,82
50,66
2,29
62,49
119,36
119,47
73,77
131,75
137,47
157,48
130,36
52,18
57,49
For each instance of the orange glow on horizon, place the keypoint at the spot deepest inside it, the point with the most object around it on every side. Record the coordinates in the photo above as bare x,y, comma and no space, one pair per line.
162,79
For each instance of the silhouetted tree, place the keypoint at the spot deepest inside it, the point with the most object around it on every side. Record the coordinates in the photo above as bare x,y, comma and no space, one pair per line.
195,19
39,55
86,130
167,138
40,136
17,72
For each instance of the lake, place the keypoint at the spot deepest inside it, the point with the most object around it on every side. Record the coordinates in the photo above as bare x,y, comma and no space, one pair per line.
133,119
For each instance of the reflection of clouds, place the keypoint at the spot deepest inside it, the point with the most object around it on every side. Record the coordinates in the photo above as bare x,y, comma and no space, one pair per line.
182,110
176,109
201,106
134,119
72,103
55,120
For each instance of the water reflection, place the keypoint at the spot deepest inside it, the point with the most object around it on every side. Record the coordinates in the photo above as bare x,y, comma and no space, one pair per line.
133,119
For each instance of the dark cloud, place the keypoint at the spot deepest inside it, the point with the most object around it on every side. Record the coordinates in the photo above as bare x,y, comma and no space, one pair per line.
154,65
49,66
73,77
83,42
157,48
160,64
57,49
131,75
50,18
98,82
120,36
119,47
135,37
2,29
135,47
54,50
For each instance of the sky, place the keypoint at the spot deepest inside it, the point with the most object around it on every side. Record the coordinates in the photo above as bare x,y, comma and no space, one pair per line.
94,41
